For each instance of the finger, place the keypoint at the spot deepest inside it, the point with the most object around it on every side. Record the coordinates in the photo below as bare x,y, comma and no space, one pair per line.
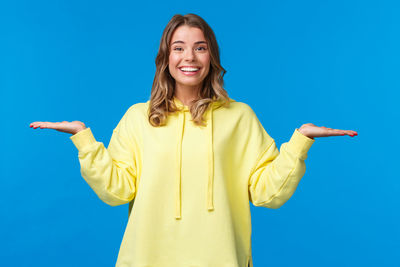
350,133
34,124
337,132
327,128
56,125
50,125
42,125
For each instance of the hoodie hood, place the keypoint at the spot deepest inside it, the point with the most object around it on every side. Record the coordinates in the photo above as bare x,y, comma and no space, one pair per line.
182,113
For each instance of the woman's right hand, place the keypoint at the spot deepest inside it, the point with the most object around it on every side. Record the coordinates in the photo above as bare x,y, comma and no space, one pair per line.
64,126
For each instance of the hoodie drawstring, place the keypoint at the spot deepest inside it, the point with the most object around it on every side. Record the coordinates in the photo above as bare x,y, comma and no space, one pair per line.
181,128
181,118
210,161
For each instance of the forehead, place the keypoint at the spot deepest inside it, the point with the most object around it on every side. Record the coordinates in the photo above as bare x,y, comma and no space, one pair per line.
188,34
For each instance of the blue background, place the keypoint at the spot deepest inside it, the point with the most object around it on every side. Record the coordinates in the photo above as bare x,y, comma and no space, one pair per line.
331,63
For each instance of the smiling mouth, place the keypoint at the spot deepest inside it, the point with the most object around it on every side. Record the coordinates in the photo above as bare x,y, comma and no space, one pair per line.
189,71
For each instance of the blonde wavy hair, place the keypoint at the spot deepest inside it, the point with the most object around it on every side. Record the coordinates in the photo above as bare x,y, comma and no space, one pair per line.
163,89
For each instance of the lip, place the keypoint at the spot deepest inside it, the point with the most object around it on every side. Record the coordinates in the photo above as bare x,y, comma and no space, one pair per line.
189,67
189,73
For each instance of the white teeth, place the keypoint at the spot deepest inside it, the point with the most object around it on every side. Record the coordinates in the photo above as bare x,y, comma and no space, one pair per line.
189,69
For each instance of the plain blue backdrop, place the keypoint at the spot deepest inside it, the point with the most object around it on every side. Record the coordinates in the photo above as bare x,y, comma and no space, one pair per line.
331,63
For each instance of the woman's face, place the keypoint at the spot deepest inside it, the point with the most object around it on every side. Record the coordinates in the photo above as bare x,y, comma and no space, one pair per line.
188,49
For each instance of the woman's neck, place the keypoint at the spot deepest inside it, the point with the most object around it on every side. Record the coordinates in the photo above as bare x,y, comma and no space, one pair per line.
187,94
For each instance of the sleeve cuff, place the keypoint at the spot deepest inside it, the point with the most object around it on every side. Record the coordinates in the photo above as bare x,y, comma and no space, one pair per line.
299,144
83,138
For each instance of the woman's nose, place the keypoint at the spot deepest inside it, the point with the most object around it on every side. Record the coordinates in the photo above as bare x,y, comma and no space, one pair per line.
189,55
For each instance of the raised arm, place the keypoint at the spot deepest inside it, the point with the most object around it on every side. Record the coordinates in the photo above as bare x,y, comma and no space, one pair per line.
275,175
110,172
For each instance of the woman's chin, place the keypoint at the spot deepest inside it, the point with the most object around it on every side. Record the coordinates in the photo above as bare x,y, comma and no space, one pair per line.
189,83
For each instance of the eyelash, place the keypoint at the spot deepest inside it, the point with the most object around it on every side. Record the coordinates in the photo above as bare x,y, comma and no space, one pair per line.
199,47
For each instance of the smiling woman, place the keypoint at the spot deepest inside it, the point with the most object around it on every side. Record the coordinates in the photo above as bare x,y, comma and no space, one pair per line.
189,62
189,160
187,67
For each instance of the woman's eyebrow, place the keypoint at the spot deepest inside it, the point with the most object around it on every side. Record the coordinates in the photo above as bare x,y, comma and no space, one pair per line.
182,42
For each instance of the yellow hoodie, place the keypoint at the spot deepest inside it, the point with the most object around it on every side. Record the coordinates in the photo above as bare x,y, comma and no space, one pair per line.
189,186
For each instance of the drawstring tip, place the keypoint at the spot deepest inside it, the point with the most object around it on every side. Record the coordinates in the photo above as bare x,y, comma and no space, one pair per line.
210,206
178,215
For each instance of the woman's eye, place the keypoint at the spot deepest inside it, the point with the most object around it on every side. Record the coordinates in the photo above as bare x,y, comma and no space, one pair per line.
180,48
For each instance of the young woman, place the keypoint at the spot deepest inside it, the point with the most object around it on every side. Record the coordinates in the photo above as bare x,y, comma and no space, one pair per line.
190,159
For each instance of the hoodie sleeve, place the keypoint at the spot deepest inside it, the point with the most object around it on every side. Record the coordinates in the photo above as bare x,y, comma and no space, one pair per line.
275,175
111,172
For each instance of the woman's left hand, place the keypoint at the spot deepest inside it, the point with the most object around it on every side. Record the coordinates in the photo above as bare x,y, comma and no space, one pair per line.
310,130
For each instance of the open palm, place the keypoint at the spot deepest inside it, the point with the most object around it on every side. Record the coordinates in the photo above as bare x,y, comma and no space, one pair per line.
311,130
64,126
